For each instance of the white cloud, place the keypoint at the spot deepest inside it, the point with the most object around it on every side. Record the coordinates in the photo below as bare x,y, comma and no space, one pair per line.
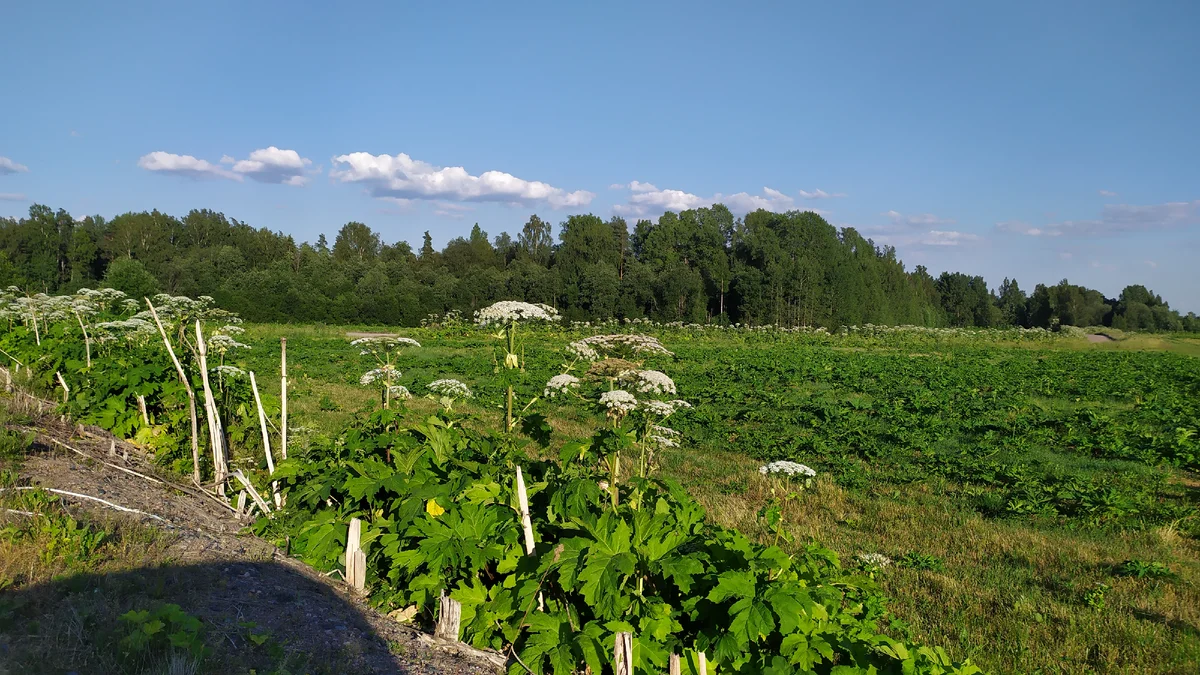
184,165
267,165
8,166
451,209
405,177
1019,227
12,197
647,200
947,238
1107,193
820,194
1066,255
272,165
1116,219
906,237
921,229
917,219
1150,263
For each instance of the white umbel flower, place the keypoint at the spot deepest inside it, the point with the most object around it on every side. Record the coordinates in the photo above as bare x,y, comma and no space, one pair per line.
221,343
450,388
618,401
230,371
649,381
873,559
663,408
508,311
381,374
376,343
560,384
664,437
596,346
788,468
399,391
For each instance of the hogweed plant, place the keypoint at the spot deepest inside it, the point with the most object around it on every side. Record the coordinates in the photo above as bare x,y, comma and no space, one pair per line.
631,397
507,315
787,479
383,348
446,391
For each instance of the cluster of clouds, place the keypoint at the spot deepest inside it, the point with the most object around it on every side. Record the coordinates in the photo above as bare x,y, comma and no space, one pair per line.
1114,219
8,166
450,190
266,165
920,229
647,200
400,177
402,180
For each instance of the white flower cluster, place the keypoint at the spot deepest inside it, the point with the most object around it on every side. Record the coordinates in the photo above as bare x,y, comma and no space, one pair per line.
180,308
230,371
873,559
786,467
664,437
618,401
384,373
450,388
597,346
132,329
560,384
663,408
382,343
221,344
451,318
507,311
649,381
399,391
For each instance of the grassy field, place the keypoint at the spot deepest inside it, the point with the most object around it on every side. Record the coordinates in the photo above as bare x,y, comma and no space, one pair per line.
1026,488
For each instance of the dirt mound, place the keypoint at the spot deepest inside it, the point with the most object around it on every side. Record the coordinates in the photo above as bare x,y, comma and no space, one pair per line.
218,572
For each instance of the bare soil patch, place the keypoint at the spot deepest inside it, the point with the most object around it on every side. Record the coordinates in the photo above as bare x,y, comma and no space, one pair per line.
213,569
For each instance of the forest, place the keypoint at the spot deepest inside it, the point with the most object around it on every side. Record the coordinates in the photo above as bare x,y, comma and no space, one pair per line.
698,266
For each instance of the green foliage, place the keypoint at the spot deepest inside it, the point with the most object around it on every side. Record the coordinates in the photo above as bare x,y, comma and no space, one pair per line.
1094,597
158,631
131,278
64,540
1143,569
14,444
128,361
440,516
920,561
696,266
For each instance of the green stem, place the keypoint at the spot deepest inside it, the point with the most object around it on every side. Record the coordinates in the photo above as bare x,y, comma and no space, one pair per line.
508,414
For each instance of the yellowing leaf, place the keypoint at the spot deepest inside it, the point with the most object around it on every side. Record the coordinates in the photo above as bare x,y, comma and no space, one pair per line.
433,509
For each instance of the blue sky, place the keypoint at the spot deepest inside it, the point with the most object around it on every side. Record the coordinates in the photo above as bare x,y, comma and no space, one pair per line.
1034,140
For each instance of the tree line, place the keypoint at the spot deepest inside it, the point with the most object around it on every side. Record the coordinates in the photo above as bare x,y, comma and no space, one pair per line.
697,266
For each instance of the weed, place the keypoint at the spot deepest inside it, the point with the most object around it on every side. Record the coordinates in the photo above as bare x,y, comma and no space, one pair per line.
920,561
1094,597
152,634
1142,569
